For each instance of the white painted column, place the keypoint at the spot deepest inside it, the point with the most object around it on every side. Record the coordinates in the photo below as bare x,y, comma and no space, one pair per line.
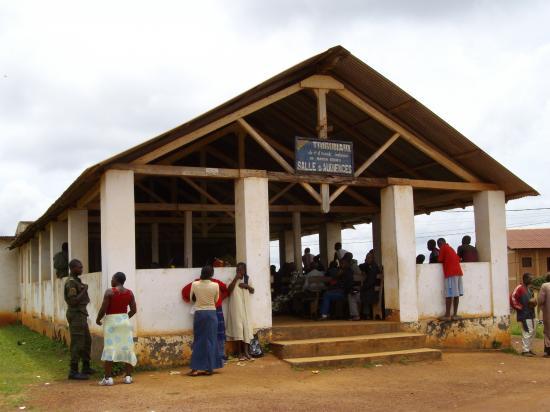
44,266
490,220
77,228
58,236
252,238
188,240
297,240
34,273
155,242
118,227
289,246
329,234
398,251
377,238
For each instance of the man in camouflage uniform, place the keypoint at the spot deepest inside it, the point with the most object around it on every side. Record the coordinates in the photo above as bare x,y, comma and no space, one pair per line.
76,296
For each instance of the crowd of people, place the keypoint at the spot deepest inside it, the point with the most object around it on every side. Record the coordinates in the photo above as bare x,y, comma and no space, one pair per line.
357,285
210,329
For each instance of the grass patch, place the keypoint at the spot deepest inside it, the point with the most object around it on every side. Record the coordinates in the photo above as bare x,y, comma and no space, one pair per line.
28,358
516,328
510,351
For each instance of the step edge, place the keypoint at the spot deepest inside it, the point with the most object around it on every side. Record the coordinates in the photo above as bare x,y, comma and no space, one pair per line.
351,338
363,355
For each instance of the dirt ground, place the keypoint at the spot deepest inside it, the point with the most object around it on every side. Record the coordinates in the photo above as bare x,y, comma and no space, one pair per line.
472,381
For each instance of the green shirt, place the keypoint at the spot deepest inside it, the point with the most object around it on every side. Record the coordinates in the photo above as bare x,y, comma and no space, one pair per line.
61,265
73,287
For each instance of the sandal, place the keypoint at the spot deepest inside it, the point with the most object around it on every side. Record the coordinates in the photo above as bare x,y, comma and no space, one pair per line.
444,318
208,373
194,373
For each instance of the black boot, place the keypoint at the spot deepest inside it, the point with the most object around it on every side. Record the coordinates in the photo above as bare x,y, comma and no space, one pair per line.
547,351
74,374
86,369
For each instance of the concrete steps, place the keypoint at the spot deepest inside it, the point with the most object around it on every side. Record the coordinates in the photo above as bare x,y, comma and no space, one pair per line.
341,343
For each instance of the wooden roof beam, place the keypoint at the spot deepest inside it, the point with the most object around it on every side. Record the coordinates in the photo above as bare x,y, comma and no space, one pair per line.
410,137
210,127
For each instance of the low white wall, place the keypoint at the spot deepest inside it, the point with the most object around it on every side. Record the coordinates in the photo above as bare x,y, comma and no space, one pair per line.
9,277
161,309
95,292
476,301
47,301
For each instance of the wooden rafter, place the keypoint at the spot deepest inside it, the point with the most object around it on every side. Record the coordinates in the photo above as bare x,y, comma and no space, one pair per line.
275,155
366,164
204,193
88,196
221,174
410,137
281,193
210,127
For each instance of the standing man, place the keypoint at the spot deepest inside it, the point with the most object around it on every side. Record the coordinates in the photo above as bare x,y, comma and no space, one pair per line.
307,259
434,251
453,279
467,252
61,261
76,296
544,305
339,252
523,302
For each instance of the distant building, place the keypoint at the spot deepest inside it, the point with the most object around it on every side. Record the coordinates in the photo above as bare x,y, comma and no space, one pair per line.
528,251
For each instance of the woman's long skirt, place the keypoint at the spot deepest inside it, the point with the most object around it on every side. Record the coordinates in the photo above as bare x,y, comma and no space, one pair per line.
205,346
221,333
118,339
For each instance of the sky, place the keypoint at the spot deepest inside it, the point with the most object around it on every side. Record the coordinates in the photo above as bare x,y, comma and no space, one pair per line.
82,81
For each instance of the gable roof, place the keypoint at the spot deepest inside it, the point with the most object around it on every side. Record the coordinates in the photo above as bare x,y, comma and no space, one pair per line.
528,238
359,78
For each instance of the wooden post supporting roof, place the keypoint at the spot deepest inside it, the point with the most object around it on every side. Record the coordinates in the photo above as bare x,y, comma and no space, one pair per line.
366,164
322,130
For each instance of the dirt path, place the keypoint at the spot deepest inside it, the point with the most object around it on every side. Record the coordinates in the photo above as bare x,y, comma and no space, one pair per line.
461,381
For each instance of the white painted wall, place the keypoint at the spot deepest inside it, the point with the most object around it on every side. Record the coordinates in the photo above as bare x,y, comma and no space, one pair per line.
161,310
9,277
476,301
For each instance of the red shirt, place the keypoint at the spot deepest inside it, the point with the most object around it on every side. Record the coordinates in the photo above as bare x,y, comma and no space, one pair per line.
450,260
119,301
186,292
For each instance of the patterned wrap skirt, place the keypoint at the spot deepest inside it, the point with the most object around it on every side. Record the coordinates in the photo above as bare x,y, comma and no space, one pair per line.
118,339
221,333
205,356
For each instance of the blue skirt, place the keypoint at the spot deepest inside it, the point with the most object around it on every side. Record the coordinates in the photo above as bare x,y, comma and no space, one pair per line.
205,355
221,333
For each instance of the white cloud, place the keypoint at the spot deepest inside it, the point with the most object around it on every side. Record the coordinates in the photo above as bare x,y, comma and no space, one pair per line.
81,81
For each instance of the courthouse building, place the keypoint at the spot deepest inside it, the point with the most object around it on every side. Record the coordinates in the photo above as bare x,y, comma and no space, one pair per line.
252,170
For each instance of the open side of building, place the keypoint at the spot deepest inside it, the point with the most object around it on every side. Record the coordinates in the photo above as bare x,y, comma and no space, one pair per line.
225,184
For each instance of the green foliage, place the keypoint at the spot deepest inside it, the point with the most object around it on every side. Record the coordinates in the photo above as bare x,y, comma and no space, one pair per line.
538,281
516,328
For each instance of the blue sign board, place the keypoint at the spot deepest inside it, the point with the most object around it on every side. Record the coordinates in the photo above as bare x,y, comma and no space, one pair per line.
323,156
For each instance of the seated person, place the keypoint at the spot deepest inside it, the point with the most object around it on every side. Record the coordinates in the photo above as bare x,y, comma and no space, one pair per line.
339,287
314,280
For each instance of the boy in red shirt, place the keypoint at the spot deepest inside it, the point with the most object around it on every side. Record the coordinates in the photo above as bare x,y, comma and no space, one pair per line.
453,278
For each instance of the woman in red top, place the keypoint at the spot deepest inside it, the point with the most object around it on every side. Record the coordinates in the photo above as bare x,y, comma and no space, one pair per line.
118,339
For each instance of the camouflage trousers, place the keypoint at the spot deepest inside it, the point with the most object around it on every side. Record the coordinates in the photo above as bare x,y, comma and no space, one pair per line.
81,340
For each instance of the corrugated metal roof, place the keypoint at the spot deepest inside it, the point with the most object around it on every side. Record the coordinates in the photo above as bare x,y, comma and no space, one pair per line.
358,77
528,238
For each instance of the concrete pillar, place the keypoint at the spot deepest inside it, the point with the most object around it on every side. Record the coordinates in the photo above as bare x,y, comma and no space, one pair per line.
398,252
188,240
77,228
44,266
34,273
329,234
289,246
155,242
118,227
377,238
58,236
490,220
297,240
252,238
